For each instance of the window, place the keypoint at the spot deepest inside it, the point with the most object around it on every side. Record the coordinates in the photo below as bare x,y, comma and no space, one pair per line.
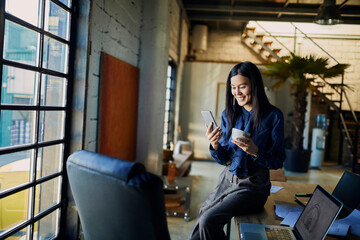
168,139
35,102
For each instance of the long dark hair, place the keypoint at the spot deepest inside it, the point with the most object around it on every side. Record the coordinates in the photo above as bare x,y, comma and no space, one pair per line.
259,99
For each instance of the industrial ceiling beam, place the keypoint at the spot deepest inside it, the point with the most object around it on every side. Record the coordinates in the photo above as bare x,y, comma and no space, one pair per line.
264,17
308,9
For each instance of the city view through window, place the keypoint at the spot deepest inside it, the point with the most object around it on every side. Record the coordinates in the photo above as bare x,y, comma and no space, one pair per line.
35,47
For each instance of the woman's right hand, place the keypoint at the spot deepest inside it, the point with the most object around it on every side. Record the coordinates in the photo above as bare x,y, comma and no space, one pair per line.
214,136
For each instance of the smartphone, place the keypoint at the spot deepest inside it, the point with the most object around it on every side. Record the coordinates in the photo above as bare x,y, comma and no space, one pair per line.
208,118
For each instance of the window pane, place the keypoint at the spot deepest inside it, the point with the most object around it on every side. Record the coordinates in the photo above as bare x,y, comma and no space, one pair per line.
16,127
47,227
20,44
29,10
51,125
15,169
168,93
169,71
18,86
55,55
168,83
165,139
47,195
21,235
49,159
167,105
14,209
57,21
53,90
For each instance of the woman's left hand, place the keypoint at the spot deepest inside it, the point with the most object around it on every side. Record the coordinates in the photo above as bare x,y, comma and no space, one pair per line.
247,145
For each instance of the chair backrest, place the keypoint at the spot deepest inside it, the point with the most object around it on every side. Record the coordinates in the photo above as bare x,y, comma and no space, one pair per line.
116,199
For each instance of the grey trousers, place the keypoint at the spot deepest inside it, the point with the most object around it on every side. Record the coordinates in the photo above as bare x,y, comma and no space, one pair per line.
233,196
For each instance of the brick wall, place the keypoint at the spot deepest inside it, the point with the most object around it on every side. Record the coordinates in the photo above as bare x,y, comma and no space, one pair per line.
226,47
114,29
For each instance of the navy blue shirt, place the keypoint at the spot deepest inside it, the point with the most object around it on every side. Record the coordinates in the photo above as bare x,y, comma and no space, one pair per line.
269,137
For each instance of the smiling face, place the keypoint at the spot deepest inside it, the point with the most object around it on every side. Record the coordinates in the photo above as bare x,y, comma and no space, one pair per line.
241,90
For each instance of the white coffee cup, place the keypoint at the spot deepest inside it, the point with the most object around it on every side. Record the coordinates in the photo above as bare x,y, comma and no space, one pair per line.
237,133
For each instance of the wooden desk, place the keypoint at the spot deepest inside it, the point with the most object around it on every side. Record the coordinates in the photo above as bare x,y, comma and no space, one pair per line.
287,194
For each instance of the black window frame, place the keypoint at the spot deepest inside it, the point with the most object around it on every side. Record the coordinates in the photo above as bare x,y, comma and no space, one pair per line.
169,125
71,43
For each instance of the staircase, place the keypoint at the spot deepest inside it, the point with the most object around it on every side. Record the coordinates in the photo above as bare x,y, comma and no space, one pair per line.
256,43
331,94
351,137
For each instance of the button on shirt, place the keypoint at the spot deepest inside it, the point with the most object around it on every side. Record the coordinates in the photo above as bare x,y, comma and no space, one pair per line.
268,137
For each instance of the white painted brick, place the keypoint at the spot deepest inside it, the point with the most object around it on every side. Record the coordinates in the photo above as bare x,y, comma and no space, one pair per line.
121,11
93,85
350,56
90,146
350,69
174,12
92,112
101,20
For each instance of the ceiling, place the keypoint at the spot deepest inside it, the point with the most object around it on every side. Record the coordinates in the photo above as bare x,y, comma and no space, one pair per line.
232,15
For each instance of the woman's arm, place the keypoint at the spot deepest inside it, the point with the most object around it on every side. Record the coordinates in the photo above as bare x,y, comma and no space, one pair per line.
271,154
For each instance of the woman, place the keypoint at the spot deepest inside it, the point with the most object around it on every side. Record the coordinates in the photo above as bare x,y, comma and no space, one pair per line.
244,185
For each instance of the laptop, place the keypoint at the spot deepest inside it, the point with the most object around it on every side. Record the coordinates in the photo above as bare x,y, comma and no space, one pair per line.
313,223
347,191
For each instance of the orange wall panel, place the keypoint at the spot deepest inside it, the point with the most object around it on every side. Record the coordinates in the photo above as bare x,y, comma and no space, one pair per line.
118,108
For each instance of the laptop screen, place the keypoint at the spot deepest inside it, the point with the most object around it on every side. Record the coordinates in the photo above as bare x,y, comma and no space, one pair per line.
318,215
347,192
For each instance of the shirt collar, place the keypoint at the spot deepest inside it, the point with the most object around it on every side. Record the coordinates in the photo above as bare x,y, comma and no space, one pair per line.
245,112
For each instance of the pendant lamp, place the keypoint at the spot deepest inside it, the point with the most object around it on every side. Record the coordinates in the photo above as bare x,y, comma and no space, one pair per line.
328,14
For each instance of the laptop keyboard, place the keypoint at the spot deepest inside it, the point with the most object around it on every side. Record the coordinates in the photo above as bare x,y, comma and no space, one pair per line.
277,233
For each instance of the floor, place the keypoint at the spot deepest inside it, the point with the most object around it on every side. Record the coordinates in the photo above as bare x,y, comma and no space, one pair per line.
204,176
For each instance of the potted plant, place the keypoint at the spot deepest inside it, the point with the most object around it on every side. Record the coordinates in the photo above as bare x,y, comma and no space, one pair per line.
301,72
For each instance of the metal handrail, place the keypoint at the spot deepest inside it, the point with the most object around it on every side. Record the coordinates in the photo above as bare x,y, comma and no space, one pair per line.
315,43
346,129
340,93
342,88
351,109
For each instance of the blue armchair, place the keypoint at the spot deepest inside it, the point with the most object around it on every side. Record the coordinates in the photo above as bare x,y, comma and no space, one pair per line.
116,199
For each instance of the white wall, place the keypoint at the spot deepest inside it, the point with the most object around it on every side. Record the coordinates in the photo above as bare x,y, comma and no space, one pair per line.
180,69
199,93
153,67
226,47
344,51
174,24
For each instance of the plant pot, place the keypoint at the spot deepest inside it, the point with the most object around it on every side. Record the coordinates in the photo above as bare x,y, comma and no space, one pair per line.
297,160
